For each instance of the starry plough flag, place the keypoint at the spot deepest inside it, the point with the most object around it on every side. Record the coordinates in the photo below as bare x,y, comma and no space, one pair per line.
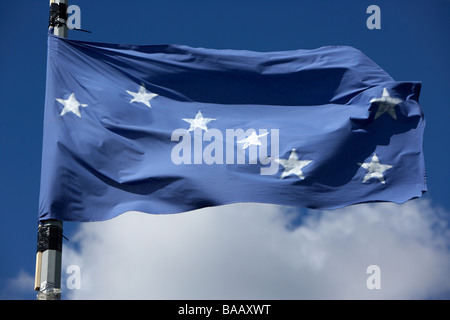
170,128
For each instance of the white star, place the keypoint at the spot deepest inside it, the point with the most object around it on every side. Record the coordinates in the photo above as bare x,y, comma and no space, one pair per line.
386,104
293,165
143,96
252,140
198,122
71,105
375,169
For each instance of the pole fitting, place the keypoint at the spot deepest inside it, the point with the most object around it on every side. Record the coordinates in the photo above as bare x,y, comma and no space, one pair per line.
57,15
49,238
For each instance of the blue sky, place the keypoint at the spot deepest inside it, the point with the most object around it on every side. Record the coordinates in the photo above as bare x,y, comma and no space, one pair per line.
412,45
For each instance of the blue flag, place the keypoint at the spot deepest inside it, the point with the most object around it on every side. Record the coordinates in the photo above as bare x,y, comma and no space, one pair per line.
169,128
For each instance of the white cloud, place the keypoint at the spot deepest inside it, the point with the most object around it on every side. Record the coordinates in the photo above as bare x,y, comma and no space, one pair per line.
245,251
17,287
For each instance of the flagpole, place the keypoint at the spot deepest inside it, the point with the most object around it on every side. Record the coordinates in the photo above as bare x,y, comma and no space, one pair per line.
49,245
48,260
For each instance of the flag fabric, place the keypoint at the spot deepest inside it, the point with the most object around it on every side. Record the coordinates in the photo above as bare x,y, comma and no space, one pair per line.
170,128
